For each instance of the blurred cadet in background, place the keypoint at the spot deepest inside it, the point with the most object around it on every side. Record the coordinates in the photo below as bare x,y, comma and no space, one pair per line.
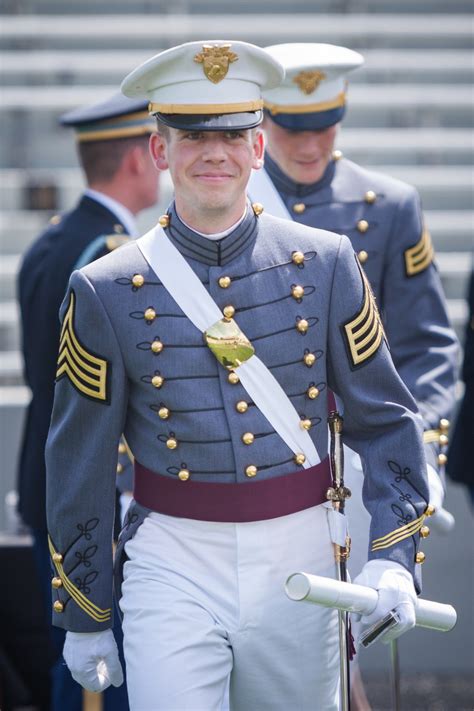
307,181
460,465
112,141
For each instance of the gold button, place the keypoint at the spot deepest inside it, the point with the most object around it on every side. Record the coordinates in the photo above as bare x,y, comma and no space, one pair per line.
163,413
430,509
302,325
443,440
138,280
119,468
297,292
420,557
157,381
157,346
164,221
228,311
58,606
57,583
442,459
224,282
363,226
248,438
309,359
363,256
242,406
297,257
444,424
149,315
251,471
305,424
55,220
183,475
233,378
370,197
118,229
57,558
257,208
171,443
424,531
299,458
299,207
337,155
312,392
122,448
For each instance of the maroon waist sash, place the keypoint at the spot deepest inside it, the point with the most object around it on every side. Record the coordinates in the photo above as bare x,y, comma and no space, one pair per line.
237,503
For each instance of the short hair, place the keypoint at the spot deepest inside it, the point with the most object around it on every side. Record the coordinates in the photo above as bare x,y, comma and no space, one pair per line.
102,159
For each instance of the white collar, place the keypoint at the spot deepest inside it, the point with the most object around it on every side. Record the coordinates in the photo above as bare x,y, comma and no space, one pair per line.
121,212
216,235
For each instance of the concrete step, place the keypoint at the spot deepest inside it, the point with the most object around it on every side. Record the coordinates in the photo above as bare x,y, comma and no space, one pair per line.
63,67
407,146
93,7
455,269
449,187
11,363
135,30
451,230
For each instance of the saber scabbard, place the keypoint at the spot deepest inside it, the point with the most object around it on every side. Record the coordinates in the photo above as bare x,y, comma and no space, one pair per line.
337,494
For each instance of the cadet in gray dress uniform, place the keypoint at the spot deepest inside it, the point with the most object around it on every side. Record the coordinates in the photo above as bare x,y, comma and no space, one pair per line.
306,180
226,421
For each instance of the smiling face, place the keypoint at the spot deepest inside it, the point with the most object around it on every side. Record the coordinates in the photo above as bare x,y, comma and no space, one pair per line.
210,171
302,155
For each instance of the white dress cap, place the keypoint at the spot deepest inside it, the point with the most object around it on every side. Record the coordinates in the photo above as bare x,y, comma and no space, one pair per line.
212,77
315,77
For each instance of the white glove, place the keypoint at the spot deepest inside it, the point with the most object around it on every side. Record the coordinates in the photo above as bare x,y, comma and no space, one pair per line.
435,487
126,499
93,660
396,592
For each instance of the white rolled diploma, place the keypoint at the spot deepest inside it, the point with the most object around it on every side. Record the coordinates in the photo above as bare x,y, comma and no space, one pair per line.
362,600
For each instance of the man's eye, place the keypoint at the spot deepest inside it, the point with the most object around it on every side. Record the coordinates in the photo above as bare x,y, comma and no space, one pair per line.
233,135
194,136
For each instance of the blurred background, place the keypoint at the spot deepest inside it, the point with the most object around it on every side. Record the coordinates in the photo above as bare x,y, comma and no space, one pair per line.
410,115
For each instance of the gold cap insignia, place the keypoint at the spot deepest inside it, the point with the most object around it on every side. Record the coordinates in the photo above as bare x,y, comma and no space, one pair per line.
215,60
308,81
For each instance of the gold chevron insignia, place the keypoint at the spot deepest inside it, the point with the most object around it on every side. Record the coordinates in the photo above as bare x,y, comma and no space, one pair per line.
86,371
97,613
420,256
399,534
365,331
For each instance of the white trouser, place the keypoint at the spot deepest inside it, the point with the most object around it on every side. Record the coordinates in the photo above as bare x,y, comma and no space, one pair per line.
203,601
357,515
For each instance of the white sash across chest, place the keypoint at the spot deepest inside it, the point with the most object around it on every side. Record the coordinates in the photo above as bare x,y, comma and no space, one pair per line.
192,297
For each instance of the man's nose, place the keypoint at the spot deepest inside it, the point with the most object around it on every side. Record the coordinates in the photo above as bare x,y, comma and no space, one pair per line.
214,149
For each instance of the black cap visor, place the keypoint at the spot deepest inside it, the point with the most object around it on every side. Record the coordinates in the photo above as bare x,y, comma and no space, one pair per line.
212,122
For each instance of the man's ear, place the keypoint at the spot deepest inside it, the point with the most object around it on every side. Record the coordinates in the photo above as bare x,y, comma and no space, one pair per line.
258,150
158,151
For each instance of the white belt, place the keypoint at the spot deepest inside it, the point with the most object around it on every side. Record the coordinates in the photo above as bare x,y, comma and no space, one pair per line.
261,189
195,301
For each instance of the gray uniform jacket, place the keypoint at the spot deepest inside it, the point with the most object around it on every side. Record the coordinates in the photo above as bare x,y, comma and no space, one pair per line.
383,219
112,378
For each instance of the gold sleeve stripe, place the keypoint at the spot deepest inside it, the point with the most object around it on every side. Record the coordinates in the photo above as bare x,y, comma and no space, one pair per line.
420,256
398,535
365,332
87,372
430,436
84,603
